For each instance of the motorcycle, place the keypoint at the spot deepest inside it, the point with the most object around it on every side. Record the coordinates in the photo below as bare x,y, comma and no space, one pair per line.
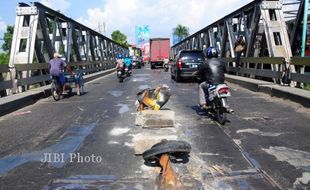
217,99
71,82
120,74
56,88
127,72
166,65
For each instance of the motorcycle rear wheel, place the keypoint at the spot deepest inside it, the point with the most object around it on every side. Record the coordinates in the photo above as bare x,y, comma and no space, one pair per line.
56,90
220,115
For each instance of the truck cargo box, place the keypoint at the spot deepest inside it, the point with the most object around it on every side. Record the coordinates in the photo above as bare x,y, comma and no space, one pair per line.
159,50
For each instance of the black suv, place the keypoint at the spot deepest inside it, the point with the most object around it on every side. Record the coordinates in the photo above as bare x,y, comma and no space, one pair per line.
186,63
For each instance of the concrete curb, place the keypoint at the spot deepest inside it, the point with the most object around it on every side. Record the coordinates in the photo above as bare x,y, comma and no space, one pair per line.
294,94
12,103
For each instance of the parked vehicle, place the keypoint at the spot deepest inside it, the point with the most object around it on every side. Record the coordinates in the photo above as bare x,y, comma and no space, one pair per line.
159,50
186,63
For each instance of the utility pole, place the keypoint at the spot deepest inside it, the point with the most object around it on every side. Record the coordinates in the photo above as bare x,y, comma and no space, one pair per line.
101,28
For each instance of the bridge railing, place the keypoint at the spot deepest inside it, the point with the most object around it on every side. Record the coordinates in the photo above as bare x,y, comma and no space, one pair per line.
260,68
37,74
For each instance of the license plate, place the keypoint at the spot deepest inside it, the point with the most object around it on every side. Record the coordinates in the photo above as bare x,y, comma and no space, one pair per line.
194,66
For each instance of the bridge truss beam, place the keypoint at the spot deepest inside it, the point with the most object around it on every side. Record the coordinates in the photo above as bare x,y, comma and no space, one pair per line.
40,31
260,22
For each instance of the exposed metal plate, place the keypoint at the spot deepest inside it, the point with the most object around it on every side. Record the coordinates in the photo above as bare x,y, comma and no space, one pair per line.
90,182
155,119
86,182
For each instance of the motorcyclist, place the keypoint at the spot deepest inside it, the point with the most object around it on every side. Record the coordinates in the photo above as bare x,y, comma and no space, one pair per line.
128,62
56,67
119,61
166,64
211,72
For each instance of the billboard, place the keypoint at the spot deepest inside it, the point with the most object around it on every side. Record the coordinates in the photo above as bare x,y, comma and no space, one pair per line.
175,39
143,40
142,35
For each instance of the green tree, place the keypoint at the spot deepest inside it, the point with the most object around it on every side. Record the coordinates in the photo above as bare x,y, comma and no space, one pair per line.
6,46
181,32
4,58
8,35
119,37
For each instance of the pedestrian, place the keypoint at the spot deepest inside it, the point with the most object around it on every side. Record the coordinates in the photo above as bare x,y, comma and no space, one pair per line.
239,49
56,68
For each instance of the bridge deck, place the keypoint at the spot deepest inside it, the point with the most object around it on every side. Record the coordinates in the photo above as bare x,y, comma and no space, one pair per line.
265,144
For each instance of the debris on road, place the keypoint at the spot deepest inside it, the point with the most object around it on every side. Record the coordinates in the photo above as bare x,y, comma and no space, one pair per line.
162,154
153,99
155,119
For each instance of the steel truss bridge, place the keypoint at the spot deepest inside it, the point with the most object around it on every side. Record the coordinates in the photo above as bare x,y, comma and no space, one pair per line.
272,36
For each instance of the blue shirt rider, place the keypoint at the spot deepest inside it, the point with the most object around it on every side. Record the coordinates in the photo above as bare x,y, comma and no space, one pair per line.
127,61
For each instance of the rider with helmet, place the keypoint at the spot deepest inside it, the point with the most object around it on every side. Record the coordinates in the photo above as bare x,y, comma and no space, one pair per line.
211,72
119,61
128,62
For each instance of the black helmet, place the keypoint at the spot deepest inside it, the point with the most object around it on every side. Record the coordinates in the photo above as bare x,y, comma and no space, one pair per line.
212,52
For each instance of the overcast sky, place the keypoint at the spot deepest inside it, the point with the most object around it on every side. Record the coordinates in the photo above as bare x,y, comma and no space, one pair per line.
161,15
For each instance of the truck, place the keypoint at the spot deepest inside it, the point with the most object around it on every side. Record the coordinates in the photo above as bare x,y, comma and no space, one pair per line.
159,51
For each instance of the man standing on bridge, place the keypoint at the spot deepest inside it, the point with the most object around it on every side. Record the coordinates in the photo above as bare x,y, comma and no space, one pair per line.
56,67
239,49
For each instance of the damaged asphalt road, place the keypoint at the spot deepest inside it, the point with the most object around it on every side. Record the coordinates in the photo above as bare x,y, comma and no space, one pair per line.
265,144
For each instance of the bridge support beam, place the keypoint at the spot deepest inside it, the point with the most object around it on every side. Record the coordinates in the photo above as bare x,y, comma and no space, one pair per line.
262,25
40,31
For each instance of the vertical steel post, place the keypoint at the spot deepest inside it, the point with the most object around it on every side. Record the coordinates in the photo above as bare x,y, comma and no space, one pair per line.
304,28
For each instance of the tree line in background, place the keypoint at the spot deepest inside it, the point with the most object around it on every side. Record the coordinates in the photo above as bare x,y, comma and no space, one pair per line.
6,46
180,31
120,38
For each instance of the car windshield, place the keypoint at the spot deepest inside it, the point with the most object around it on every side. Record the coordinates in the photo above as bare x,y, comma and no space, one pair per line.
133,58
197,55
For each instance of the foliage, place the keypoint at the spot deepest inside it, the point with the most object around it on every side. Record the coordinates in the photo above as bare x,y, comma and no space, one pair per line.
181,32
4,58
8,35
307,86
119,37
61,49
